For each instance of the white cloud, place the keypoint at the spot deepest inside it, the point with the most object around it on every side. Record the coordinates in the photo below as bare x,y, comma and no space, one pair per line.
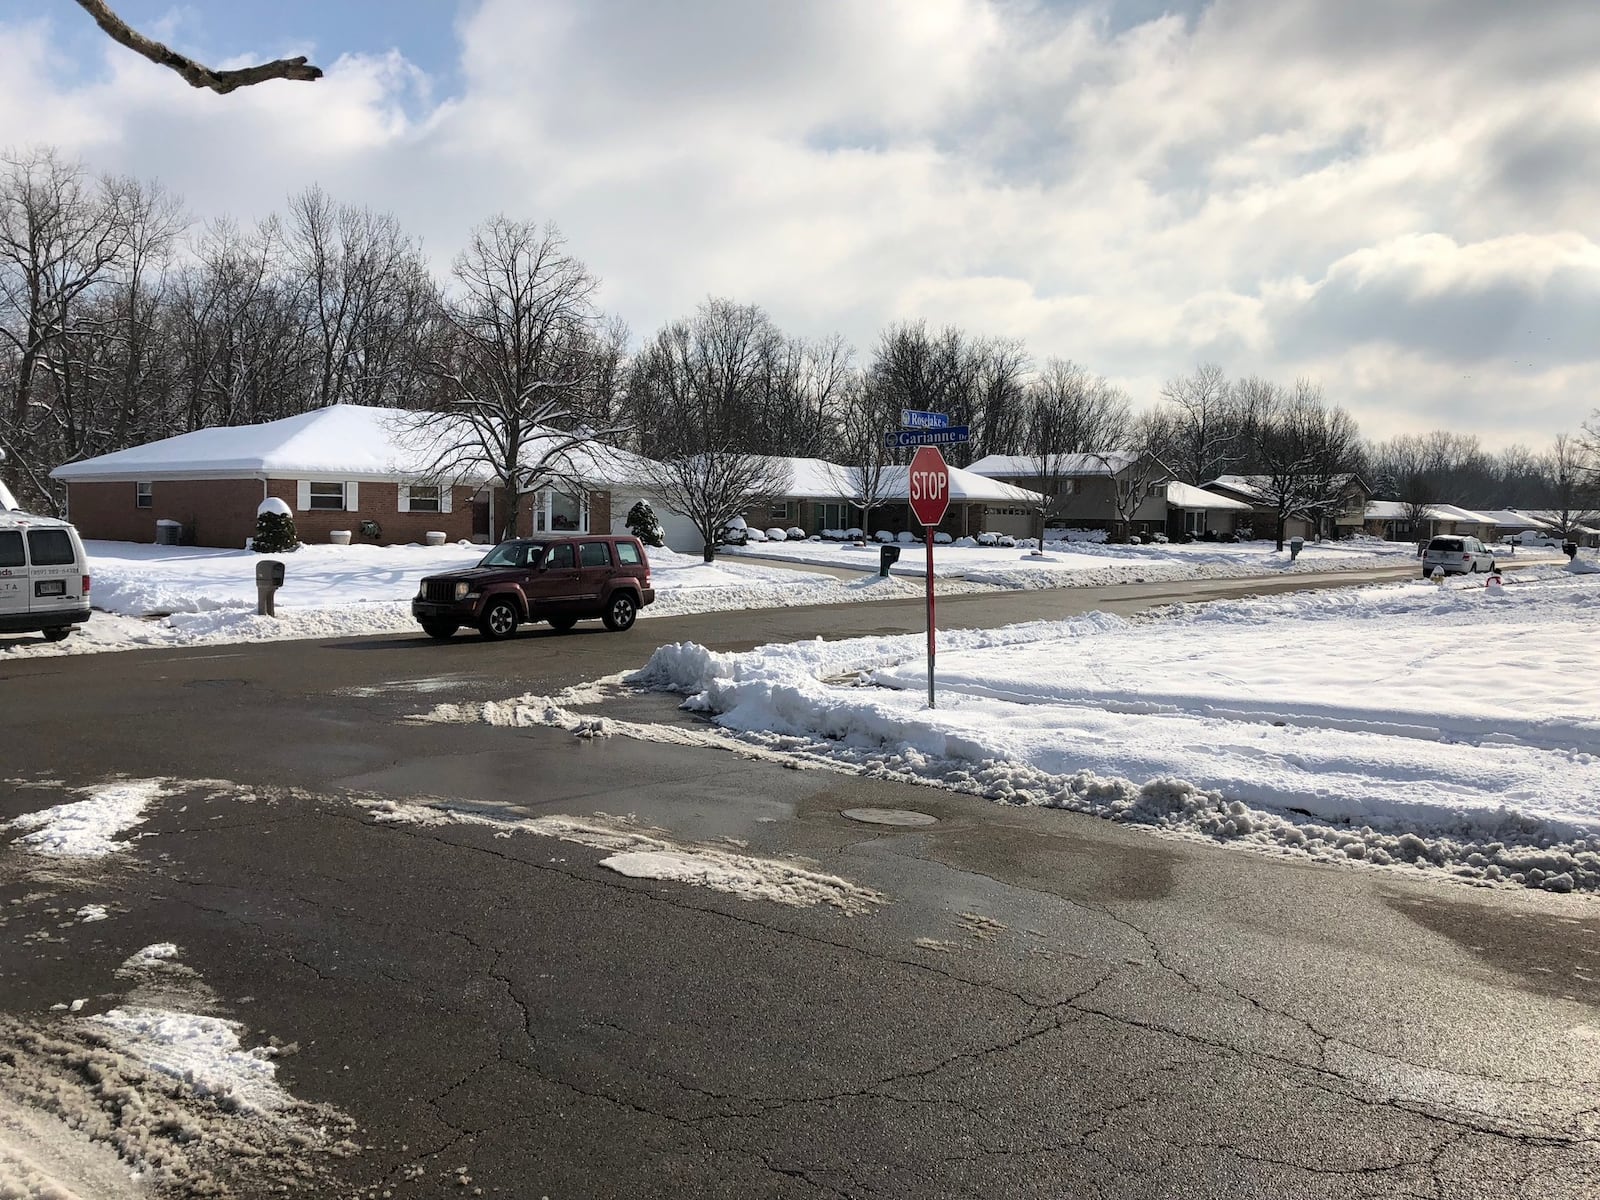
1355,192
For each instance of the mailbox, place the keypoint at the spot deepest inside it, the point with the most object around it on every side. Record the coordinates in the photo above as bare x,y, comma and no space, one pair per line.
1296,544
887,557
269,578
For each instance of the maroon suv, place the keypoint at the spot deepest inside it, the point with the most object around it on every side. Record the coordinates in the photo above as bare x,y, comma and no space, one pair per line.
558,579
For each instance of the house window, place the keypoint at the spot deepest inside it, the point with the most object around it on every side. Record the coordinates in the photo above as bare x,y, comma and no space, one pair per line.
780,510
837,516
424,498
327,496
1158,488
555,512
143,495
1068,487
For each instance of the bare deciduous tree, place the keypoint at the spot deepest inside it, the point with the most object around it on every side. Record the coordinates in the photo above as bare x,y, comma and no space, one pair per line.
1574,496
1204,423
196,74
863,475
518,366
698,378
1071,414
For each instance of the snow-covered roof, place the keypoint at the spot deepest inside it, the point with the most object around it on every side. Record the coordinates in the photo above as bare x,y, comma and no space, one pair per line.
1510,519
1253,486
1184,495
819,479
1397,510
1024,466
344,441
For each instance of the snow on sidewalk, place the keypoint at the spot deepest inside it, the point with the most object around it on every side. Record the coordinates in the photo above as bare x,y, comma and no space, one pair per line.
1456,727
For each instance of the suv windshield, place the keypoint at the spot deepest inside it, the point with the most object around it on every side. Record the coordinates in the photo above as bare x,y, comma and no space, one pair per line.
513,554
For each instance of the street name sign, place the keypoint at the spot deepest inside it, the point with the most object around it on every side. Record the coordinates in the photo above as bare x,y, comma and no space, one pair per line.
911,418
899,439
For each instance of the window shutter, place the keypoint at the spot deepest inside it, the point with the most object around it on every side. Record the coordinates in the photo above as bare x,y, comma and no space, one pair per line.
352,496
405,497
302,501
446,492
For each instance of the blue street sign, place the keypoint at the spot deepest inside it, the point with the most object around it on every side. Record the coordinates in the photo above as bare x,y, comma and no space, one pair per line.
911,418
900,438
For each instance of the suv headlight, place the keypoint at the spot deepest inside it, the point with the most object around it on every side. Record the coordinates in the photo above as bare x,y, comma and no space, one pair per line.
462,589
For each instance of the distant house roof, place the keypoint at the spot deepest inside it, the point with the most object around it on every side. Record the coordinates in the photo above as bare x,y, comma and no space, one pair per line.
1026,466
1259,487
819,479
346,441
1510,520
1396,510
1184,495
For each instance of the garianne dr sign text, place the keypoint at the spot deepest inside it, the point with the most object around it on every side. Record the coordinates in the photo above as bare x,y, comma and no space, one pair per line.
902,438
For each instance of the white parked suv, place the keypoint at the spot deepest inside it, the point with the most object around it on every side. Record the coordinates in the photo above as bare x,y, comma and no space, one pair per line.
1457,555
44,576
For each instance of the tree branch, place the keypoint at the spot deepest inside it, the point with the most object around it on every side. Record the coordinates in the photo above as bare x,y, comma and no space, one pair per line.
198,75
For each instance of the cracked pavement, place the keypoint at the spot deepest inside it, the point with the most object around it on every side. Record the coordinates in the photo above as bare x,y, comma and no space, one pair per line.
1046,1005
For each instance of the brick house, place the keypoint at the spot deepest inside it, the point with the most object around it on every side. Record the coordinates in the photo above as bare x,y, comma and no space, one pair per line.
1090,489
344,467
819,498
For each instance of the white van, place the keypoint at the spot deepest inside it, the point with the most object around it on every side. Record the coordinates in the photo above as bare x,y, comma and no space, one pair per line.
44,576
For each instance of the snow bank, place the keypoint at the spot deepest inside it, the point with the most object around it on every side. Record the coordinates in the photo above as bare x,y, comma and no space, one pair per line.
87,828
1453,727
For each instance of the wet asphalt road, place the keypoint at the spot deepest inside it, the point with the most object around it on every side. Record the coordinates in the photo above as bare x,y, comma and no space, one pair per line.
1044,1005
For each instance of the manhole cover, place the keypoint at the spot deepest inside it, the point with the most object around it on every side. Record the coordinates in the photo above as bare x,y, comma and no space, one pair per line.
889,816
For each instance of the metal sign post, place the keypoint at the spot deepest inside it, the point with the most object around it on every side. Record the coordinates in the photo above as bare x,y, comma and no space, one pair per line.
928,489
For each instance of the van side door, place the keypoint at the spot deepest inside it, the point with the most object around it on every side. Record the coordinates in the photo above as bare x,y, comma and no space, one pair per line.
14,580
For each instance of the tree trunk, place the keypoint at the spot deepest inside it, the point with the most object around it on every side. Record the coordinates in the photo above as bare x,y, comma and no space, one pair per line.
1282,523
709,551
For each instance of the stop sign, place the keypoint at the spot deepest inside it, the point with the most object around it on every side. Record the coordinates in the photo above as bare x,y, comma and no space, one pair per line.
929,485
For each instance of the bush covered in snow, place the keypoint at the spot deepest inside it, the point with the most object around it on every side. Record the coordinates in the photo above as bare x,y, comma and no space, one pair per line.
966,541
1006,540
854,534
883,535
988,539
906,537
643,525
1057,534
275,531
942,539
755,535
796,533
777,534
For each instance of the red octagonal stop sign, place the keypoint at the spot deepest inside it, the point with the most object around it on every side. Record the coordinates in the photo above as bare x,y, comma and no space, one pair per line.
929,484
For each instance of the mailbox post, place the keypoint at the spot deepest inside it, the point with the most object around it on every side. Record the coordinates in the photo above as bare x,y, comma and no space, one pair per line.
269,578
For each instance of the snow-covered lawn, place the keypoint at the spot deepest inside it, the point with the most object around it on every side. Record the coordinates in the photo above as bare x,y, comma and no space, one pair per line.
185,596
1085,563
1453,726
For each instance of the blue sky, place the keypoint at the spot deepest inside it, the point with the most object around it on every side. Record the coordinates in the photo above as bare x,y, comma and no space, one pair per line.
1396,200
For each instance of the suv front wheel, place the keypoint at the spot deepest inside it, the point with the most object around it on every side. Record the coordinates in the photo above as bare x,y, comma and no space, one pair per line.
620,611
499,620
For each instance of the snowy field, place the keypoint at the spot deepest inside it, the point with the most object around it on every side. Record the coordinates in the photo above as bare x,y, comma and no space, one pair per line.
187,596
1087,563
1452,727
